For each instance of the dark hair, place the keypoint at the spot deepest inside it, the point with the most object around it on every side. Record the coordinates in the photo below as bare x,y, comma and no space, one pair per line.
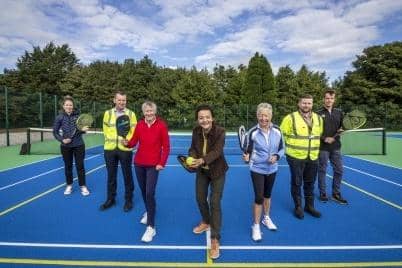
329,91
120,92
203,107
67,98
305,96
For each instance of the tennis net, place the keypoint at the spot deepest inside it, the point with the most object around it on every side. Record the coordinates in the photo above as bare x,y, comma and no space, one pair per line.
370,141
40,141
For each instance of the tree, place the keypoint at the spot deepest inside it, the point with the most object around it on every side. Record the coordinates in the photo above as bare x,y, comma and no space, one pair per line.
375,86
259,84
42,70
287,88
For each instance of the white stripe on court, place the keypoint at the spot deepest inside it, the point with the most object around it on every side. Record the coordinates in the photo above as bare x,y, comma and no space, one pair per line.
374,176
374,162
43,194
171,247
39,175
369,194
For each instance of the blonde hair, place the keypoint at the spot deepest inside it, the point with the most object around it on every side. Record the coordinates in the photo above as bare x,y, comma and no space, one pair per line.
149,104
264,106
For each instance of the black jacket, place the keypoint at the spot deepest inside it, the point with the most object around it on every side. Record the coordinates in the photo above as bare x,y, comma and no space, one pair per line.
332,123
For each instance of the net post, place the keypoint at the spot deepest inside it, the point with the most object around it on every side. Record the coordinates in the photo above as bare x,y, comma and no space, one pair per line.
384,142
28,141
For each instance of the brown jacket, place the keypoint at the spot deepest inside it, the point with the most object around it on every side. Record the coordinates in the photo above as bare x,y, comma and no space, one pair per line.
215,141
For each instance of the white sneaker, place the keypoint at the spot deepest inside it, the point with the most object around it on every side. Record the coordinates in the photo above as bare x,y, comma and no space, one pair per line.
256,232
68,190
84,190
268,222
148,235
144,218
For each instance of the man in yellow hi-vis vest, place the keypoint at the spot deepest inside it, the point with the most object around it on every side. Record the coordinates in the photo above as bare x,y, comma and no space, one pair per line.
115,152
302,130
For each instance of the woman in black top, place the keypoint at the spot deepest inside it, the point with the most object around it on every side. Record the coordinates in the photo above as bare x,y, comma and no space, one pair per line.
72,145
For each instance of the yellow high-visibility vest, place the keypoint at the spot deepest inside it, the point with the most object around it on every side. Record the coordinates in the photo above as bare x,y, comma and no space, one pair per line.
112,141
302,141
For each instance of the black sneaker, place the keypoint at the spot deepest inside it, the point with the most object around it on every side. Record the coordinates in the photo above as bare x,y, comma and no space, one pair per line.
338,198
324,197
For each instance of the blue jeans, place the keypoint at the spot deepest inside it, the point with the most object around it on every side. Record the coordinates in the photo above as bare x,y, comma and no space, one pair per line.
147,177
335,158
302,171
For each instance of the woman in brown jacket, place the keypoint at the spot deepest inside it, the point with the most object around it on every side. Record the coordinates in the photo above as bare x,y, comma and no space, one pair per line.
206,148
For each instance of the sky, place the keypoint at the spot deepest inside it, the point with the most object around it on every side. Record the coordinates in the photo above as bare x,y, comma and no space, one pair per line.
324,35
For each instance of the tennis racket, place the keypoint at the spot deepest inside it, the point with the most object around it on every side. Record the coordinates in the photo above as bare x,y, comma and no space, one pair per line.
353,120
182,161
84,120
123,125
242,135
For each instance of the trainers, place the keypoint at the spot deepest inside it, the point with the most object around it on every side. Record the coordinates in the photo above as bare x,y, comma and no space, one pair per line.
324,197
214,251
256,233
338,198
144,218
148,235
200,228
84,190
68,190
268,223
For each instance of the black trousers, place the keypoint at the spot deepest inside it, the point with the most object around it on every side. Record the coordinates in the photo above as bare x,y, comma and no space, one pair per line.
303,173
112,159
69,154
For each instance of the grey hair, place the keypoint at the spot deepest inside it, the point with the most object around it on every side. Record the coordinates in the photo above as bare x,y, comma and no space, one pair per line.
263,106
150,104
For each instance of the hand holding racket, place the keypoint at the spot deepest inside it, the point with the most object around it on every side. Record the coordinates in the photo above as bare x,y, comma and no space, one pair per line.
83,122
123,125
353,120
243,142
185,163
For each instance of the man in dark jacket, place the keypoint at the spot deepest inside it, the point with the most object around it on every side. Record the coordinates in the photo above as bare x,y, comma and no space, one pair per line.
207,144
330,148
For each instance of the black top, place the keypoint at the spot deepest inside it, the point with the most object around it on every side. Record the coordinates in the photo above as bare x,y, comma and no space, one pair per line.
332,123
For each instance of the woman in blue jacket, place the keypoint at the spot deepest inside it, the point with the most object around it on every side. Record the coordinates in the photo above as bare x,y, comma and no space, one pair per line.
71,145
265,148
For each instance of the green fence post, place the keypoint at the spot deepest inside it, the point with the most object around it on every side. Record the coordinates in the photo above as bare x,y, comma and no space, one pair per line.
55,106
7,122
41,115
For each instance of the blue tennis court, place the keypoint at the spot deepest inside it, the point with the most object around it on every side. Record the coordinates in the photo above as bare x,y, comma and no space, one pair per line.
41,227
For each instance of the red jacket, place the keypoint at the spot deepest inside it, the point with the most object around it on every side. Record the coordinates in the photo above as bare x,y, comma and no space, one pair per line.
153,143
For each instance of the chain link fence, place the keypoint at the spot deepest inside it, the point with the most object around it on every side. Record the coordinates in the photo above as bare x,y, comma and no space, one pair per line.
20,110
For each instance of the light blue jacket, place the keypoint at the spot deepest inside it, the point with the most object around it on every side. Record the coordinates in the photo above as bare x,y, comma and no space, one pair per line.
263,145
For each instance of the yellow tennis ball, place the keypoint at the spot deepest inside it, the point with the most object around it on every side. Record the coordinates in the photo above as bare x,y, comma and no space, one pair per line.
189,161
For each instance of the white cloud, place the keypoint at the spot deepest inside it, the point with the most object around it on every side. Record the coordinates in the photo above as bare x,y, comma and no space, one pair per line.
368,13
225,32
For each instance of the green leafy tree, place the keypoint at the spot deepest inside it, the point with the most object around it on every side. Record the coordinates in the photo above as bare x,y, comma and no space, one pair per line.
259,84
42,70
287,87
375,86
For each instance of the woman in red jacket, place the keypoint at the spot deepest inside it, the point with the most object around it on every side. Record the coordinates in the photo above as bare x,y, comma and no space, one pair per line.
151,134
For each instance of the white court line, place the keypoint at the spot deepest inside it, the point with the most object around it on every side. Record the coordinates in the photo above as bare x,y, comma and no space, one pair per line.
39,175
374,176
371,161
43,193
369,194
171,247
